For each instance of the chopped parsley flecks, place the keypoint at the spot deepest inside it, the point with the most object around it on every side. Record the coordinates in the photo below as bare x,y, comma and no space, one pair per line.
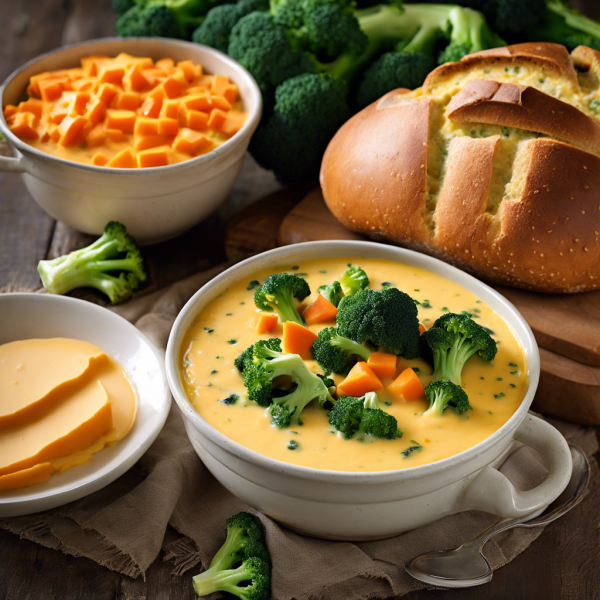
387,403
541,80
293,445
512,385
231,399
294,432
488,330
416,290
416,369
232,341
500,395
514,372
213,371
303,275
477,301
490,412
426,304
228,314
415,448
469,314
209,330
295,267
513,364
387,284
323,271
254,283
300,421
242,303
482,378
498,378
444,308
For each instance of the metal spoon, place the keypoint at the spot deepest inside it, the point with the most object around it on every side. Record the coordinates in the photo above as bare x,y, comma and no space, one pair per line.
465,566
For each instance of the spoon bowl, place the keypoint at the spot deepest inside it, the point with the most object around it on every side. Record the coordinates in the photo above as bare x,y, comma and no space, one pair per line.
466,566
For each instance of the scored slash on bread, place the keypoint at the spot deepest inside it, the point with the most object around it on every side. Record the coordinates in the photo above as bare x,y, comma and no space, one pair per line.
494,165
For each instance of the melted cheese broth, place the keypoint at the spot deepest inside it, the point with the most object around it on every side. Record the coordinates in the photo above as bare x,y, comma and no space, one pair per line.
226,327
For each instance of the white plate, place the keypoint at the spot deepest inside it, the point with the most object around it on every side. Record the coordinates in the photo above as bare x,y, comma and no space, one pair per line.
26,316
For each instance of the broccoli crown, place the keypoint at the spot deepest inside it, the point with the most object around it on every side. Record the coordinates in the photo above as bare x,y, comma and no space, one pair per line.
308,110
391,71
278,293
216,27
332,292
254,573
260,379
354,279
335,354
151,21
512,17
385,318
246,355
442,394
264,48
451,341
114,251
362,416
122,6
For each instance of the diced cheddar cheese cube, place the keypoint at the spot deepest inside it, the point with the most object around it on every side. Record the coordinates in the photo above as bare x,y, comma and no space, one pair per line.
111,73
170,109
128,101
174,85
124,120
196,120
24,125
96,136
123,160
51,89
219,102
106,92
187,68
166,64
217,119
154,157
114,135
10,110
95,112
232,124
219,84
99,159
85,84
33,106
197,102
169,127
146,126
231,93
143,142
151,107
69,129
191,142
134,79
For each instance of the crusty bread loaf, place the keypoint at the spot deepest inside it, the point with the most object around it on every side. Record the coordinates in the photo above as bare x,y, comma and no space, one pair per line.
493,165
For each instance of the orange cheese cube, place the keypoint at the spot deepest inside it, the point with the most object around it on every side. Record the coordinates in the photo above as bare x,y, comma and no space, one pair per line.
217,119
85,84
219,102
99,159
54,133
106,92
359,381
320,311
166,64
266,323
143,142
90,64
95,112
146,126
197,102
24,125
151,107
33,89
383,364
298,339
233,123
123,160
51,89
33,106
407,386
157,92
95,136
69,128
168,126
187,68
124,120
174,85
10,110
114,135
231,93
170,109
219,84
80,102
128,101
196,120
191,142
154,157
134,79
111,73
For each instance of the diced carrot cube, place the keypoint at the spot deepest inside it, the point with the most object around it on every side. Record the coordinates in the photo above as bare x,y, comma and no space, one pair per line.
111,73
115,135
187,68
150,77
383,364
99,159
197,102
134,79
158,92
96,136
151,107
168,126
128,101
231,93
154,157
80,102
24,125
205,80
219,102
233,123
217,119
266,323
196,120
170,109
143,142
51,89
165,64
320,311
128,60
359,381
85,84
33,89
90,64
174,85
33,106
95,112
69,129
10,110
407,386
298,339
422,328
146,126
219,84
106,92
191,142
120,119
123,160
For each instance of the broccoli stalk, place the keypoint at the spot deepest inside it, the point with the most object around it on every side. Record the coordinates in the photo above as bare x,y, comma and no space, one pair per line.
457,339
267,376
335,354
442,394
278,293
92,266
363,416
385,318
253,570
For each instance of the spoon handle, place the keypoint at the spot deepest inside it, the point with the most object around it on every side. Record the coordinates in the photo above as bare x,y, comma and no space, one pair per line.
492,530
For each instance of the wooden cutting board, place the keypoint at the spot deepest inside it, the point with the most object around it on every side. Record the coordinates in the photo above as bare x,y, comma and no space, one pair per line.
566,327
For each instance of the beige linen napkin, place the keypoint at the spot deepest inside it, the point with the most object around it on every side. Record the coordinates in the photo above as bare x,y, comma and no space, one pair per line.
123,526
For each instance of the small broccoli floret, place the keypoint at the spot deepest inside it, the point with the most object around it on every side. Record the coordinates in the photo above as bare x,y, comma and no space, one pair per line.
332,292
264,387
278,293
151,21
393,70
354,279
442,394
363,416
216,27
308,110
246,355
114,251
122,6
385,318
335,354
463,338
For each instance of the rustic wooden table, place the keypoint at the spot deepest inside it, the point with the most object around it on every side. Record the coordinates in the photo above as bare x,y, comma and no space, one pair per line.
563,563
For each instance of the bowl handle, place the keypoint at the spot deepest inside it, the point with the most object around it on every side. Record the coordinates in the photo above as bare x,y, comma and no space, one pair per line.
14,165
492,492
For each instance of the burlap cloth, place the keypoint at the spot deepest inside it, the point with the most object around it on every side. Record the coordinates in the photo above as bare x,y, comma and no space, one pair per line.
123,526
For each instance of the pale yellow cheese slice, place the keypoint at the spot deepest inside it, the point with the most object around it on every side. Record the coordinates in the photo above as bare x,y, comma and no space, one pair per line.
31,476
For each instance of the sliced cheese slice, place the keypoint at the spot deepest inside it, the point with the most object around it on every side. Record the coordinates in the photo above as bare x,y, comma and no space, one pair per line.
31,476
32,373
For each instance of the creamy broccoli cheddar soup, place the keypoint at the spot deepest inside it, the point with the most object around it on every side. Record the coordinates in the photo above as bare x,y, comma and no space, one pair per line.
230,324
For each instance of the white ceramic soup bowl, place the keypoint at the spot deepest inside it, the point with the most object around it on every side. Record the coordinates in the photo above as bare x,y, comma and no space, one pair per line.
154,203
368,506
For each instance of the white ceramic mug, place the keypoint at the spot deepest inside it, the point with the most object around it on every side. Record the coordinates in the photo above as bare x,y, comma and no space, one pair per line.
154,203
369,506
